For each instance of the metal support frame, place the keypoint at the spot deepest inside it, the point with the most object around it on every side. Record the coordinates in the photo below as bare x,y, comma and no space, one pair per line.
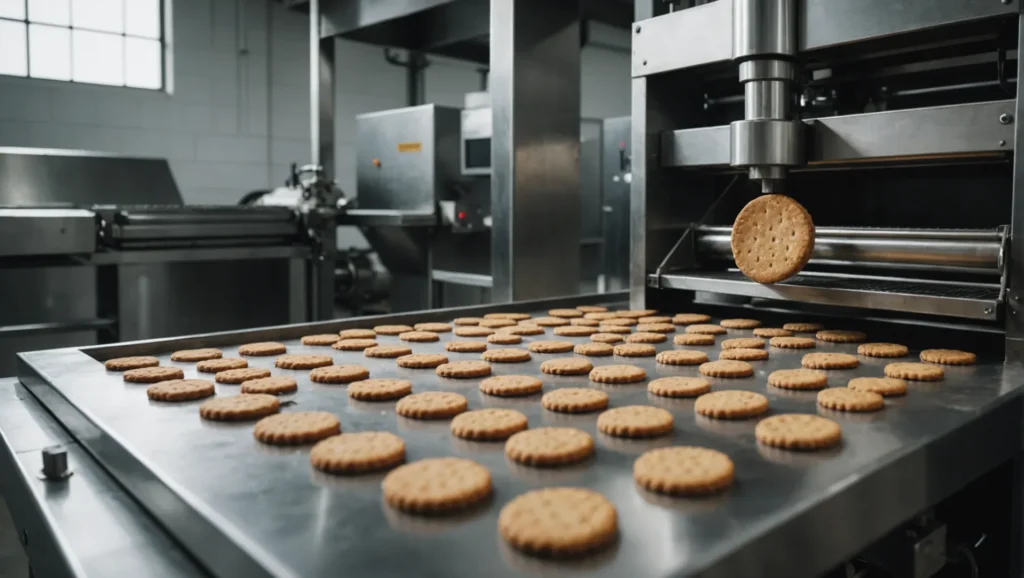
535,183
1015,265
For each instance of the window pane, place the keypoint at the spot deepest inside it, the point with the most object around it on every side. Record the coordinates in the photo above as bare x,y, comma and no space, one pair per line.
105,15
97,58
13,59
142,18
49,12
143,63
49,52
12,9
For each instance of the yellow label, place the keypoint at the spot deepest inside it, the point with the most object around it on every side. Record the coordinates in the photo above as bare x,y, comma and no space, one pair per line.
410,147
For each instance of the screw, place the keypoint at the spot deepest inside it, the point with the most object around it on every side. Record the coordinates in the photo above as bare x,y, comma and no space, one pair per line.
1002,143
988,311
1005,118
1016,297
638,27
645,63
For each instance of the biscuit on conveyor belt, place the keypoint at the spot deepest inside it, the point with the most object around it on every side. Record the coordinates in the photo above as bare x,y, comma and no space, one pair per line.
355,453
198,354
948,356
684,471
431,405
220,364
794,431
594,349
153,374
138,362
488,424
592,308
549,446
300,427
559,522
437,485
772,238
275,385
180,390
574,400
679,386
387,351
468,346
382,389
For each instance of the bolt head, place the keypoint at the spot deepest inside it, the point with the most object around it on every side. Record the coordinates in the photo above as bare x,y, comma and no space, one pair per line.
1005,118
1002,143
638,29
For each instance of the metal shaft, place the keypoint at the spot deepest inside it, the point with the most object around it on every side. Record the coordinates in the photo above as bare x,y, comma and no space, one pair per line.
314,81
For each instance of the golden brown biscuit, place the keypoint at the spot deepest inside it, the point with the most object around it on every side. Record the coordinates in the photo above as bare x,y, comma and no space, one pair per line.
180,390
743,343
635,421
339,374
599,315
512,316
270,385
511,385
841,336
656,328
684,471
574,400
619,321
646,337
357,334
792,342
606,337
262,348
846,399
705,329
197,354
419,336
125,363
467,320
772,332
731,404
558,522
882,350
320,339
382,389
549,446
473,331
354,344
300,427
829,361
794,431
802,327
593,349
437,485
566,313
422,360
387,351
948,357
433,327
740,323
524,330
619,329
914,371
356,453
431,405
239,407
681,357
497,323
153,374
391,329
798,379
488,424
506,355
634,350
566,366
772,238
463,369
656,319
237,376
300,361
467,346
574,331
636,313
550,321
690,318
617,374
592,308
584,322
550,346
885,386
727,368
499,339
744,354
694,339
679,386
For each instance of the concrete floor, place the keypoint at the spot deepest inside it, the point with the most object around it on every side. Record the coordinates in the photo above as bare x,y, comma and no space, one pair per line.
13,562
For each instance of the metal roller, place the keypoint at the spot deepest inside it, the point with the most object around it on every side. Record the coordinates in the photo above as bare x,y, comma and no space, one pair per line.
972,250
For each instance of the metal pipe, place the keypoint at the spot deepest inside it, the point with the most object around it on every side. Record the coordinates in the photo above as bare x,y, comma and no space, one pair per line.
314,81
973,250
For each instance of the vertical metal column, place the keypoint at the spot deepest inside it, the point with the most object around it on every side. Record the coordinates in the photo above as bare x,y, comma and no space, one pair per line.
325,104
1014,309
535,183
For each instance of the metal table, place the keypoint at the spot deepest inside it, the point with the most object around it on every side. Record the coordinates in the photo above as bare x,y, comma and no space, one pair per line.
242,508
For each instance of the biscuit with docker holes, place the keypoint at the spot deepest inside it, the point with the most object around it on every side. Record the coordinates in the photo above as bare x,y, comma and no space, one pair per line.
798,379
681,357
677,386
506,355
731,404
387,351
882,350
433,327
153,374
238,376
180,390
512,316
592,308
380,389
617,374
948,357
431,405
391,329
619,329
497,323
419,336
550,321
559,522
772,238
574,331
634,350
803,327
136,362
655,328
549,446
356,453
488,424
646,337
914,371
320,339
743,343
841,336
198,354
300,361
467,321
574,400
473,331
656,319
498,339
463,369
339,374
584,322
846,399
239,407
467,346
690,318
357,334
276,385
726,368
885,386
606,338
593,349
694,339
511,385
635,421
355,344
744,354
740,323
550,346
296,428
262,348
705,329
566,313
524,330
792,342
829,361
437,485
421,360
684,471
566,366
794,431
772,332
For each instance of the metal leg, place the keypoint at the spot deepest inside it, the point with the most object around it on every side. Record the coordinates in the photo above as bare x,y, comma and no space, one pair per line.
535,184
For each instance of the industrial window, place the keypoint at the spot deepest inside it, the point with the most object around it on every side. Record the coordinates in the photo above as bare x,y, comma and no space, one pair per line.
113,42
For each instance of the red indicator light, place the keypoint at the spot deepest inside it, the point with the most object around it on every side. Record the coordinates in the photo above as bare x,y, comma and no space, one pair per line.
622,144
462,215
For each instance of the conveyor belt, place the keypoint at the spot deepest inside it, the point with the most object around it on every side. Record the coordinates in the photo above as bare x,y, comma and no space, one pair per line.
242,508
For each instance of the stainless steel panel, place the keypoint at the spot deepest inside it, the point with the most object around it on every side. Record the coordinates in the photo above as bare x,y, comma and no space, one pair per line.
942,130
681,39
1015,263
402,142
616,176
25,232
309,524
964,300
535,183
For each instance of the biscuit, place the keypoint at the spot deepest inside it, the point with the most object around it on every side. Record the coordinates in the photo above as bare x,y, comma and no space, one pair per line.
584,322
574,331
606,337
914,371
599,315
296,428
740,323
467,346
731,404
221,364
635,421
679,386
636,313
510,385
488,424
463,369
620,321
801,327
798,379
276,385
882,350
262,348
433,327
387,351
496,323
180,390
356,453
660,319
382,389
512,316
681,357
339,374
744,354
524,330
574,400
473,331
422,360
726,368
153,374
298,361
499,339
565,313
320,339
550,346
558,522
829,361
693,339
237,376
634,350
566,366
772,332
354,344
948,357
743,343
391,329
593,349
795,431
239,407
846,399
617,374
656,328
550,321
125,363
357,334
197,354
772,238
437,485
620,329
704,329
841,336
646,337
591,308
792,342
467,321
549,446
885,386
684,471
419,336
431,405
690,318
